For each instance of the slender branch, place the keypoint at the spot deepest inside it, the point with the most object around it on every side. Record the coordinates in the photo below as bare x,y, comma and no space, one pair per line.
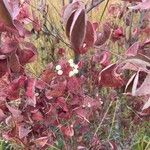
94,5
63,2
70,1
103,118
107,2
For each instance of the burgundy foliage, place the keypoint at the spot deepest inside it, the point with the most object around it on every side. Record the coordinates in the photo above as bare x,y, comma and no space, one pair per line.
32,107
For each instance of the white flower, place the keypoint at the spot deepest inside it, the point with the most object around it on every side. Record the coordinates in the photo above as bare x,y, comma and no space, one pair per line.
76,66
71,61
75,71
84,45
60,72
83,106
71,73
89,105
72,65
58,67
37,94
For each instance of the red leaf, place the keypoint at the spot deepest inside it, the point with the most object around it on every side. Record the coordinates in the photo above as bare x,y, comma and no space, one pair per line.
146,105
145,4
9,45
68,25
82,113
68,15
110,78
133,49
5,16
117,34
133,1
41,142
3,67
14,63
138,62
30,92
56,91
105,58
102,37
37,24
62,103
23,13
78,30
21,29
2,115
74,85
95,25
28,54
12,7
13,90
37,115
68,131
135,84
90,102
23,132
132,86
69,9
144,88
15,112
129,84
90,35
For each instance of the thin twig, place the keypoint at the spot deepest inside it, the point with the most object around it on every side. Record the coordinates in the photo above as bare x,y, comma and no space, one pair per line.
94,5
104,10
103,118
113,120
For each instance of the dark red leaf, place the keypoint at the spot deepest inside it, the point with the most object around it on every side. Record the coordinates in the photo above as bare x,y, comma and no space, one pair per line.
133,49
144,88
143,5
78,29
37,115
30,92
16,113
2,115
68,131
146,105
41,142
23,132
14,63
3,67
62,103
5,16
74,85
110,78
103,36
9,45
57,90
13,90
117,34
90,35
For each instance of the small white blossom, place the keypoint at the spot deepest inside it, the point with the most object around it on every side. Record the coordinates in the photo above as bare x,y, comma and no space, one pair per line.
89,105
58,67
84,45
72,65
60,72
37,94
83,106
76,66
75,71
71,73
71,61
